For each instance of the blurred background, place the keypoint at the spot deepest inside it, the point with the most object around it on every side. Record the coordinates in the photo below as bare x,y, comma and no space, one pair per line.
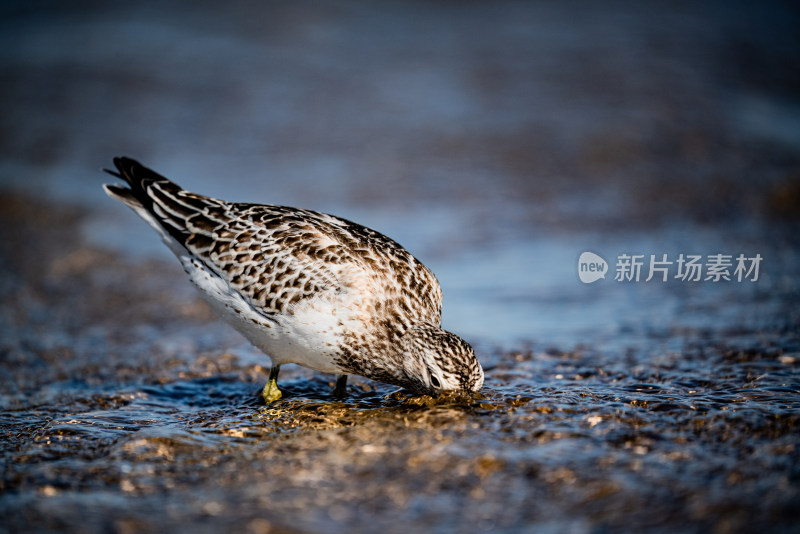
495,140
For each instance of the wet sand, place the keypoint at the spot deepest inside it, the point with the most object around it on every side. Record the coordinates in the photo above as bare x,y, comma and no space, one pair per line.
496,142
127,407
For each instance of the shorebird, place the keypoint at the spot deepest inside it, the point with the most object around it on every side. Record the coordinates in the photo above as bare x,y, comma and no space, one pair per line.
307,287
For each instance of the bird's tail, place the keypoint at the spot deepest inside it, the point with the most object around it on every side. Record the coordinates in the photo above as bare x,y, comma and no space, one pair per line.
157,200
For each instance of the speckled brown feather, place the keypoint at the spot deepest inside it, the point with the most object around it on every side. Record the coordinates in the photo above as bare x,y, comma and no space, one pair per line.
282,260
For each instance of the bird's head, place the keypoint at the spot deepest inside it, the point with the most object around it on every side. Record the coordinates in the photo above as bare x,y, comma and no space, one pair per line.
435,360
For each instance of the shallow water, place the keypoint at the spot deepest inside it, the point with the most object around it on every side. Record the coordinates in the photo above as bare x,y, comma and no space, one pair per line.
127,407
496,142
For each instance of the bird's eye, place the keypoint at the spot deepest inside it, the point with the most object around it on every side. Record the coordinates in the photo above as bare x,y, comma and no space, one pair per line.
435,381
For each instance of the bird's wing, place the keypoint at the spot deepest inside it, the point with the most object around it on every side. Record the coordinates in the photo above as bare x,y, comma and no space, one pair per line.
275,256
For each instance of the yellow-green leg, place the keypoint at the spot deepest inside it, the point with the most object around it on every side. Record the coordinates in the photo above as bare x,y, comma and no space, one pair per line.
271,393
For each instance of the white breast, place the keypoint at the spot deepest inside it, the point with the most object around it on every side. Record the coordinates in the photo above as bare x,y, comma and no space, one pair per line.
308,336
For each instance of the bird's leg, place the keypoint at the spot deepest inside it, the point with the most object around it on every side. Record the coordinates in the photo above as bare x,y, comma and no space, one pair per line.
341,386
271,393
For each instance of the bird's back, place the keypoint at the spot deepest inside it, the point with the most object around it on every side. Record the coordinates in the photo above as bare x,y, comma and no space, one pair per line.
286,262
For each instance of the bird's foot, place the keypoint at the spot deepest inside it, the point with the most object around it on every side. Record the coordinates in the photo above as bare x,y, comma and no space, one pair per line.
271,393
340,390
